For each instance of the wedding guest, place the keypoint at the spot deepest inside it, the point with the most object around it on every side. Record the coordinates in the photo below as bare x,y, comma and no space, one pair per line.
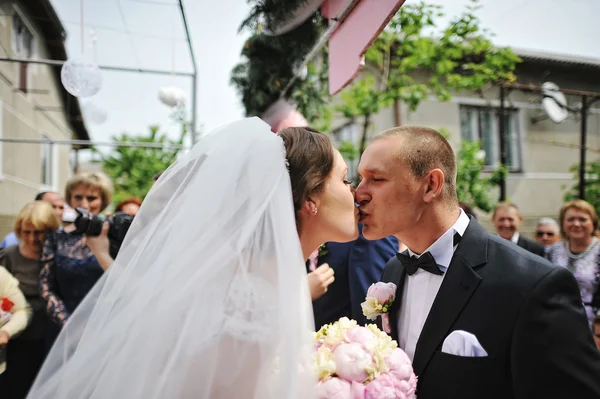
27,350
580,251
547,232
130,206
54,199
507,220
356,264
73,263
14,316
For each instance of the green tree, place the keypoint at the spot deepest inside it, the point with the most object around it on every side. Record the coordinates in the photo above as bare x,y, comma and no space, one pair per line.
132,168
472,186
592,184
405,64
362,100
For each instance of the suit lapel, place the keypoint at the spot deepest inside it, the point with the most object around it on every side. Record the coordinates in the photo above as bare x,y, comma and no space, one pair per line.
396,275
460,282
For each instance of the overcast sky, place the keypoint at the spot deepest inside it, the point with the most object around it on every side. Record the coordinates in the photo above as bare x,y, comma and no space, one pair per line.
148,34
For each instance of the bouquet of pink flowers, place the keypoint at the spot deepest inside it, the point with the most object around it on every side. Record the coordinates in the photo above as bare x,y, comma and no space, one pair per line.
355,362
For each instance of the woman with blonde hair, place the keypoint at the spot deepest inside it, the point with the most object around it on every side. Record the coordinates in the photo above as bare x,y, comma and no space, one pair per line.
14,316
26,351
73,263
580,251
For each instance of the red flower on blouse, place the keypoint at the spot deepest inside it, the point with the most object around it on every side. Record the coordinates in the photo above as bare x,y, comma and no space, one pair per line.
6,304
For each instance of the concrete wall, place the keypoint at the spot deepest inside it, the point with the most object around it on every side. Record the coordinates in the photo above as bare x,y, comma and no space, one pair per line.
21,117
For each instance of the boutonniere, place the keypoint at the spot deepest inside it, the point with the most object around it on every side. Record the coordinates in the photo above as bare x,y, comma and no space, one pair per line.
323,250
379,300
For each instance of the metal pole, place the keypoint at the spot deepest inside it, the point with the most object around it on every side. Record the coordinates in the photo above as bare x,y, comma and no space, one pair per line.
105,67
194,75
94,143
584,110
76,167
194,133
502,138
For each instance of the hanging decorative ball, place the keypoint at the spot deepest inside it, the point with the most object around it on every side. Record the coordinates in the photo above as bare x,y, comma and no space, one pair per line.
172,96
94,113
81,77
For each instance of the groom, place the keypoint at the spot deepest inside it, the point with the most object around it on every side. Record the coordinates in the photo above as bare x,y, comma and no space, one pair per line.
479,316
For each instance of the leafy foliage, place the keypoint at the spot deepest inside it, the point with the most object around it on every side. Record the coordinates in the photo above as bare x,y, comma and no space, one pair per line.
462,58
404,64
348,150
592,184
411,66
472,186
132,168
270,13
269,63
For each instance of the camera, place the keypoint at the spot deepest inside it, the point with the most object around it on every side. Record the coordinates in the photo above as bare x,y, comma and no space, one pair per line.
91,225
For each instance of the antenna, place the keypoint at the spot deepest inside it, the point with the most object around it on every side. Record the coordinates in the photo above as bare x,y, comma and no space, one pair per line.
554,102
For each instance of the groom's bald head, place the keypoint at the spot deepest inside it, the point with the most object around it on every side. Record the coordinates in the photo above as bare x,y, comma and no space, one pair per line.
423,149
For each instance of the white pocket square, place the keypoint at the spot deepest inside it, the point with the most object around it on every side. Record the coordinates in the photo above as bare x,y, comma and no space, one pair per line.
462,343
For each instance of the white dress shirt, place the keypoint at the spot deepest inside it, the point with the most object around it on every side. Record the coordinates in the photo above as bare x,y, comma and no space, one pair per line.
421,288
515,238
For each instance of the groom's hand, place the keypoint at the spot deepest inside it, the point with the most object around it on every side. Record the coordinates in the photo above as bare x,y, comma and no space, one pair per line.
319,280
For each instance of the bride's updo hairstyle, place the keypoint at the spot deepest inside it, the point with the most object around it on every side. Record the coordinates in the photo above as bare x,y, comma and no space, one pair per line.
310,157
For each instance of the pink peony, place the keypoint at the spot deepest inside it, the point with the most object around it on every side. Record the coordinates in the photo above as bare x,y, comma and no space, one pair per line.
352,361
358,390
406,387
383,387
334,388
383,292
359,335
402,372
397,359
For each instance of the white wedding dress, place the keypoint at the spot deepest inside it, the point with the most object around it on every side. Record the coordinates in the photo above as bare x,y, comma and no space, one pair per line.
208,296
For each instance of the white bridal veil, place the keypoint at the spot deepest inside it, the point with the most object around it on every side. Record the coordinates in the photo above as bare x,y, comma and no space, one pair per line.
208,296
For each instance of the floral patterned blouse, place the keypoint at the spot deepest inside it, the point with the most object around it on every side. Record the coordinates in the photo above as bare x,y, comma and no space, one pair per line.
69,272
585,266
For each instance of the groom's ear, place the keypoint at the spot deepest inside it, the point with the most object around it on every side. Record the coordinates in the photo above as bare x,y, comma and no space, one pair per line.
435,185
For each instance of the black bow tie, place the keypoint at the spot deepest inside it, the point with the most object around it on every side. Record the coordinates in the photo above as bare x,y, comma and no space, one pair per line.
425,261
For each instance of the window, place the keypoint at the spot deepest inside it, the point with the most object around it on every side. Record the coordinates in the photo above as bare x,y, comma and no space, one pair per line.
47,157
481,123
23,42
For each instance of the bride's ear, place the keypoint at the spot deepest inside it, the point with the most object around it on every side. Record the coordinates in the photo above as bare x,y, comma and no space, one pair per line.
310,207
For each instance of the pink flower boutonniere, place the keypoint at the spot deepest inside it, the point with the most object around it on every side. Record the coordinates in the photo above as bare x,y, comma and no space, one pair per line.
380,298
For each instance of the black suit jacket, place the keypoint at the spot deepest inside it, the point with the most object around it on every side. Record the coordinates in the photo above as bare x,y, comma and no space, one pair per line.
526,313
530,245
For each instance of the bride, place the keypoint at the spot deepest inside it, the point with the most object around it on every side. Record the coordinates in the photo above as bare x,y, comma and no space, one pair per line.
208,297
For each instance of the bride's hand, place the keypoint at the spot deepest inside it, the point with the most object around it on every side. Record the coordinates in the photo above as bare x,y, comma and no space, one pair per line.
319,280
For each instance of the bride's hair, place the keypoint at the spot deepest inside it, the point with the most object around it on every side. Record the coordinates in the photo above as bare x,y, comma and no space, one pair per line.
310,157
